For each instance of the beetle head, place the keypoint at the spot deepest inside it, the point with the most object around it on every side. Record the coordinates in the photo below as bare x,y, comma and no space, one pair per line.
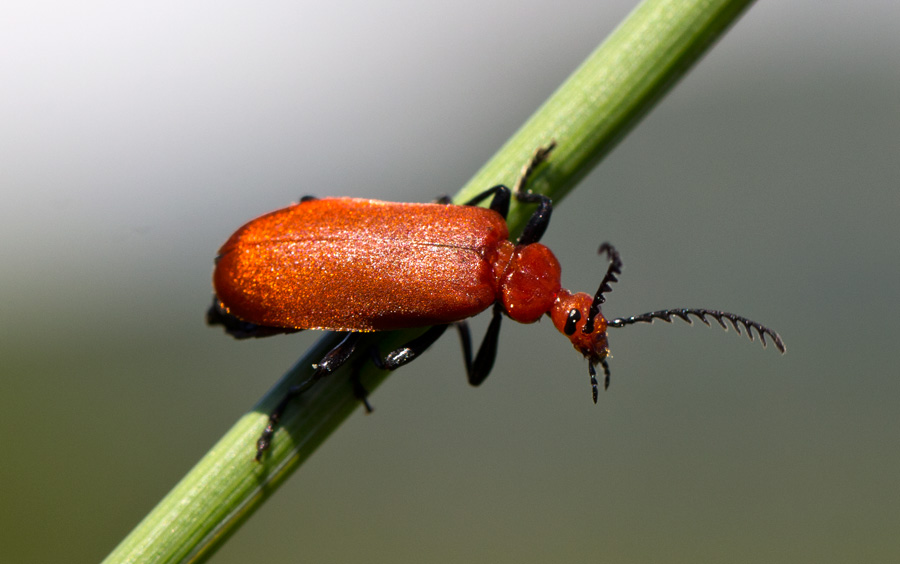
578,317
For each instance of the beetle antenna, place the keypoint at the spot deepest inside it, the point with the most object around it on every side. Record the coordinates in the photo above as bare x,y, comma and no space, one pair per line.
615,267
735,320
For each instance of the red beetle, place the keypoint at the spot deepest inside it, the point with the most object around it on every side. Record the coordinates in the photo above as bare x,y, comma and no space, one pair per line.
354,265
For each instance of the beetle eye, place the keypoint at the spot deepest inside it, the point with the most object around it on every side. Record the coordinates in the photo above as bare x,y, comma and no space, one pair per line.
571,320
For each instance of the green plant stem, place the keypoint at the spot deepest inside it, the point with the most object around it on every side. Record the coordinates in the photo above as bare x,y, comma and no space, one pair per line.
658,42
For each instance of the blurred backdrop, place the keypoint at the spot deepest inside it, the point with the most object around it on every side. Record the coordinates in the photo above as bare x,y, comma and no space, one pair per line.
136,138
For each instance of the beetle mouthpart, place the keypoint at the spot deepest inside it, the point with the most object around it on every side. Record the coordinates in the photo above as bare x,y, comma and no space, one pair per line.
592,371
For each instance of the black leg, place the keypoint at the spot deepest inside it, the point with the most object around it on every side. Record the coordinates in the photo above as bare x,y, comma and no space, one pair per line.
465,339
238,328
540,219
335,358
360,391
410,351
500,202
540,155
478,370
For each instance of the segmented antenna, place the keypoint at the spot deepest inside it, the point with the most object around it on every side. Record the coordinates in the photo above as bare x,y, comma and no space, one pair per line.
615,267
736,321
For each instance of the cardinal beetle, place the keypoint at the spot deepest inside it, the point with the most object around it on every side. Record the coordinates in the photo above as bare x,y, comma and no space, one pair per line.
354,265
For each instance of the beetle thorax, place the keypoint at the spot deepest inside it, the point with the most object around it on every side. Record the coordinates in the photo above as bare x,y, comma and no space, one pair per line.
530,283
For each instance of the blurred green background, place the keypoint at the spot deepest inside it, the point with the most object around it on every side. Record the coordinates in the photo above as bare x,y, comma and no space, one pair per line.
135,139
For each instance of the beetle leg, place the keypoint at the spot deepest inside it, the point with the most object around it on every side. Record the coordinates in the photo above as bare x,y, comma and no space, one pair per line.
500,202
360,391
410,351
484,361
540,155
540,219
501,193
335,358
238,328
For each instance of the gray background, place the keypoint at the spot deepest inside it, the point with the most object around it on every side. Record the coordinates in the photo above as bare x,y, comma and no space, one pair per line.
134,140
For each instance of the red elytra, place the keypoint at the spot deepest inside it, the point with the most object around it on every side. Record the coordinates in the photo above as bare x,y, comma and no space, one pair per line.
357,265
347,264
